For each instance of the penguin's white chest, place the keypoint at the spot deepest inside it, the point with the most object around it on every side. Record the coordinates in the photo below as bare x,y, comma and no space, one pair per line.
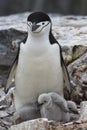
38,72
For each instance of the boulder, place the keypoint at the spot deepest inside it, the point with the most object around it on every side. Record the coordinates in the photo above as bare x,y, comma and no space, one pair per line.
38,124
78,75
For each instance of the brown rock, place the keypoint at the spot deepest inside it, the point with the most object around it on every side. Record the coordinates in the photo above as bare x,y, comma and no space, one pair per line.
38,124
78,75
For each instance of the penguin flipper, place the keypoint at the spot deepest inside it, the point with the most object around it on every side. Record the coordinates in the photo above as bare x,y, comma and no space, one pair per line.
14,67
59,100
66,77
11,76
65,72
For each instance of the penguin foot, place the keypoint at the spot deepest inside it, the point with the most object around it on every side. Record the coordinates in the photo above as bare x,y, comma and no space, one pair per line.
17,120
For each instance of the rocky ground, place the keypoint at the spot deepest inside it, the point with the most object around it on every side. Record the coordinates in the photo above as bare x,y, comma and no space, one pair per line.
71,33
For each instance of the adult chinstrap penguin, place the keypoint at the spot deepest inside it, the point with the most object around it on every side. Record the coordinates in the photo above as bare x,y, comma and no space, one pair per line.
39,66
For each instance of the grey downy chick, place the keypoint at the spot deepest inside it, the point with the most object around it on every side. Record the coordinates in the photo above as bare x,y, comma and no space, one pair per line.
54,107
72,107
74,113
57,104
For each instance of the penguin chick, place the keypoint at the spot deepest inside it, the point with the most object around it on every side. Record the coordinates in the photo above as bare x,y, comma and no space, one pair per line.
72,107
59,100
27,112
51,109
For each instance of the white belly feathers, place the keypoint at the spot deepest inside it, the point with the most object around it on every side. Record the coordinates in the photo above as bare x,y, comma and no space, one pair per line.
38,74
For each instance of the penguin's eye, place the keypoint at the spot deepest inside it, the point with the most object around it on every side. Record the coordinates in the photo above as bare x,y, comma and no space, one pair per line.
29,23
43,23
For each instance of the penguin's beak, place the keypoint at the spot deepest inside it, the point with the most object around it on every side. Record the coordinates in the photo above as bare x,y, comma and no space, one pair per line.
34,27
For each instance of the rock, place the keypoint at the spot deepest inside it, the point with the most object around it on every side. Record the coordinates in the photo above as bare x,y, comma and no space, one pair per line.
82,126
3,114
71,53
38,124
78,51
78,75
2,128
7,54
83,112
43,124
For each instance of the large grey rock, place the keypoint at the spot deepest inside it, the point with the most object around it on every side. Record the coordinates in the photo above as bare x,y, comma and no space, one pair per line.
2,128
43,124
38,124
83,112
78,75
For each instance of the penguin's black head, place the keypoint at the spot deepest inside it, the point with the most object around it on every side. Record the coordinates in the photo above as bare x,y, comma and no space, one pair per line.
38,22
38,17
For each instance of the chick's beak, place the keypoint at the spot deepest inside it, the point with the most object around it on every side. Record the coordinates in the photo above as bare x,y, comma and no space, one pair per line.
35,26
